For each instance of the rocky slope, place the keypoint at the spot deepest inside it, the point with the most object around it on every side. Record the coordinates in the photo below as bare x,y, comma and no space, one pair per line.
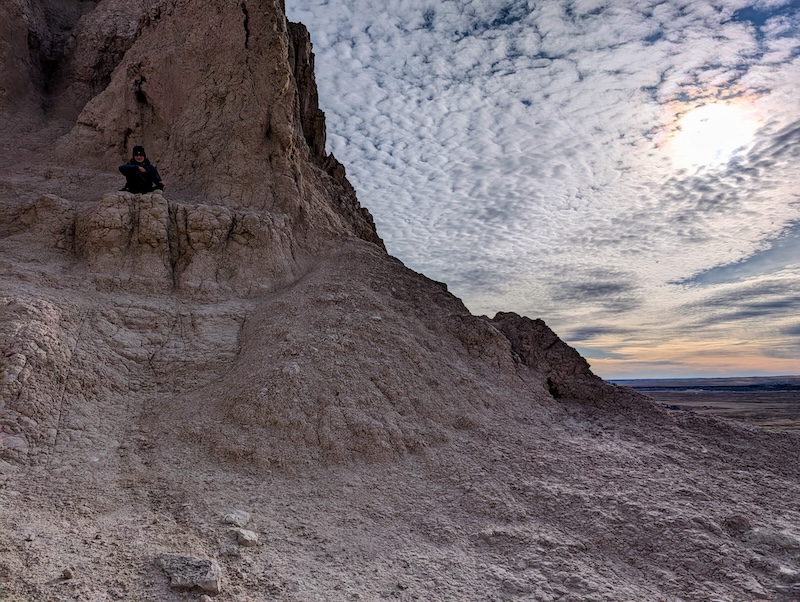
231,390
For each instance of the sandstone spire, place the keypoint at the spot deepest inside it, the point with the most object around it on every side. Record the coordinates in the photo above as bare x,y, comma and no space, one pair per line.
222,94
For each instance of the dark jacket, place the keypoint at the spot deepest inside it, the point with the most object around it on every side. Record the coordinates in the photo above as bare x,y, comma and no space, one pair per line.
138,181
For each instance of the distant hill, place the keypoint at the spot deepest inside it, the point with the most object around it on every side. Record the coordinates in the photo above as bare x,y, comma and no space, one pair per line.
727,383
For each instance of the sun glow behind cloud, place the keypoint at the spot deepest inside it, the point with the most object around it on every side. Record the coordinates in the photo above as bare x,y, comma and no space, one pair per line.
710,134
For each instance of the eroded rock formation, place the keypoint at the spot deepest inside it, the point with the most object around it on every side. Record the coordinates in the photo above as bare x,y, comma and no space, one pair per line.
242,345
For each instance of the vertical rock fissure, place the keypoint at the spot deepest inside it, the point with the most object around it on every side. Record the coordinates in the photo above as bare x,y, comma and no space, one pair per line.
246,25
231,229
63,400
133,226
173,242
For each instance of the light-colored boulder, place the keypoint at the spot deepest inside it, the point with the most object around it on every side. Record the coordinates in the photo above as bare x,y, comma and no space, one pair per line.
246,538
189,573
237,518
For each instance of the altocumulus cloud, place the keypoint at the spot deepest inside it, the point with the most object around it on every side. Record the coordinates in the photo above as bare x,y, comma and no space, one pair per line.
530,155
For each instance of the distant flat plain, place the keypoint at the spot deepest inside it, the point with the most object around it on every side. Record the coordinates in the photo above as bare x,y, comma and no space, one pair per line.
767,401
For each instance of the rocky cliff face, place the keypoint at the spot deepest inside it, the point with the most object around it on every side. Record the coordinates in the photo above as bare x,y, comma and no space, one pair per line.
159,73
231,389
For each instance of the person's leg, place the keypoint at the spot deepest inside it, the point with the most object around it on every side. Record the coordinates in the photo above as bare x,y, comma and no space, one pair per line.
136,183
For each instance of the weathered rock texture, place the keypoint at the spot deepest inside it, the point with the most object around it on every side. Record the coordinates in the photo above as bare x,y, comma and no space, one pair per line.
243,346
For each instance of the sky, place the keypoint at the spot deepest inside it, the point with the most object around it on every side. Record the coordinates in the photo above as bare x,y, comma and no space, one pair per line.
626,170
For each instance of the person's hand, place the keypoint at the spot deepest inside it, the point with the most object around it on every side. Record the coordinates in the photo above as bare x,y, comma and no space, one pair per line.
142,169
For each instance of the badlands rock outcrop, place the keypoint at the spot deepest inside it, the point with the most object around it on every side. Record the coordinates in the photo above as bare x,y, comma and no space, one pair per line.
230,390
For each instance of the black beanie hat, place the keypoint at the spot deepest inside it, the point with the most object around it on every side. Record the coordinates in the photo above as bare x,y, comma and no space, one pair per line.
139,150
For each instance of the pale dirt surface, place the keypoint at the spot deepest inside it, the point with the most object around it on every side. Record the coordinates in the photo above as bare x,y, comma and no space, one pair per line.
771,402
170,359
379,455
774,409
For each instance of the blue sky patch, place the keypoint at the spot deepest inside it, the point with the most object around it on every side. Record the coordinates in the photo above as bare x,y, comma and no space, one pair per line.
783,252
758,16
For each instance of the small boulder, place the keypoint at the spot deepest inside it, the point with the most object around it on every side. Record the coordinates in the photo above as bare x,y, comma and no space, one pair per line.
736,525
245,538
188,573
237,518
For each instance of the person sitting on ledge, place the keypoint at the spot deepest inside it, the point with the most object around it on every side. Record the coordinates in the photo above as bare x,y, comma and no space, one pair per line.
141,176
